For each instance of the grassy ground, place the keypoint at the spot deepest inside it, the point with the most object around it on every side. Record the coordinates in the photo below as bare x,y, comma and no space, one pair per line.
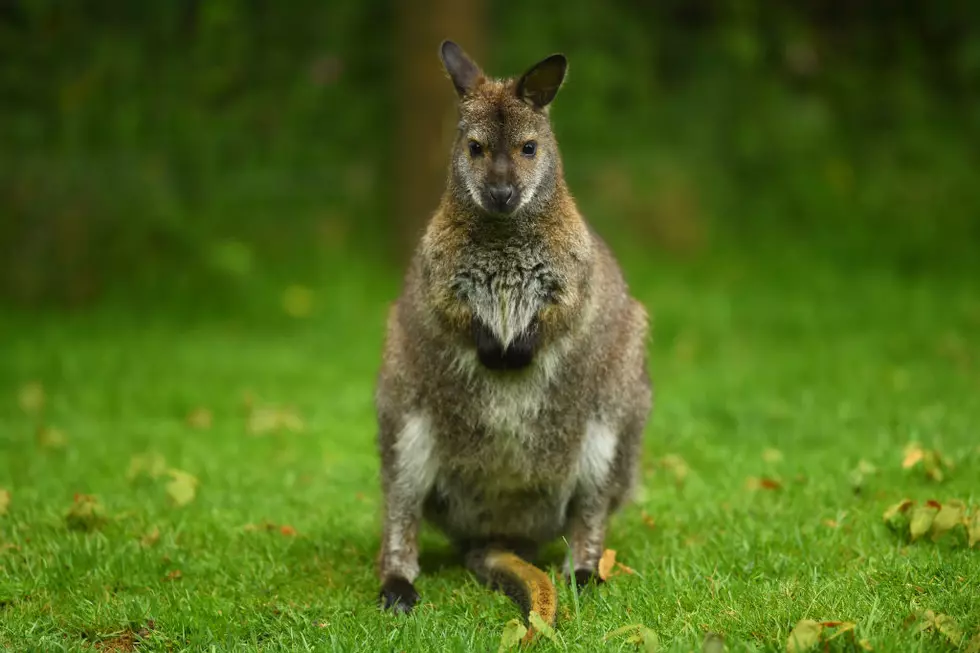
787,368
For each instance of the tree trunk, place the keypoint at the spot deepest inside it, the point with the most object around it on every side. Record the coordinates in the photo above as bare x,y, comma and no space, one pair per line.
426,106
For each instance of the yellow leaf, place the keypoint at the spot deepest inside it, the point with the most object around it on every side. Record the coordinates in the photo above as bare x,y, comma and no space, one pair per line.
31,398
4,501
152,465
805,636
891,515
50,437
922,518
866,645
541,626
949,516
974,644
772,455
841,628
606,563
199,418
85,514
946,625
913,455
182,488
973,527
713,643
512,635
297,301
151,538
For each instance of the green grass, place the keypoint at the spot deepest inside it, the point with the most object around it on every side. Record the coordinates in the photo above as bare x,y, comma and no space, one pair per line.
827,364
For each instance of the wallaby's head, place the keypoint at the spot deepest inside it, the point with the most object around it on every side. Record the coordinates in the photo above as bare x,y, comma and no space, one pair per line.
505,156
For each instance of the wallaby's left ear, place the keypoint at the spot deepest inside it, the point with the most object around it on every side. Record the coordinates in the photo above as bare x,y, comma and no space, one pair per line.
540,84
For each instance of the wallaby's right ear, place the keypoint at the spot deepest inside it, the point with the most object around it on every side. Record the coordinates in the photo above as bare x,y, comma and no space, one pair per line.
465,74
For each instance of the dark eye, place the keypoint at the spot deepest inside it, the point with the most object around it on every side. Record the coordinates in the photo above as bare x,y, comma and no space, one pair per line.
529,148
475,149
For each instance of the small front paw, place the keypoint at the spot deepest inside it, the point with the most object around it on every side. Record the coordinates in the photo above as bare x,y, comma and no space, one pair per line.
398,594
583,577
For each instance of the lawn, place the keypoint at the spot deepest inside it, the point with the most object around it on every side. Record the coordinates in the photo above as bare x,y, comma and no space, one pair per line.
788,388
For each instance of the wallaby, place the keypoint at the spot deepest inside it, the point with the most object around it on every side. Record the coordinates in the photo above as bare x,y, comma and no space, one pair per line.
514,389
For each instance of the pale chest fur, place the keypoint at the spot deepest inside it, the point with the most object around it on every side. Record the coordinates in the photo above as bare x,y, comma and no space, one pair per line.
506,285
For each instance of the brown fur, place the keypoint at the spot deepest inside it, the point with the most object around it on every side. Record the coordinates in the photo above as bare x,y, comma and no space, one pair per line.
508,459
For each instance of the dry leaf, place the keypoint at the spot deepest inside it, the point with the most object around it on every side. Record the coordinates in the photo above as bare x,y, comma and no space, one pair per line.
648,519
805,636
152,465
173,575
85,514
51,437
288,531
31,397
624,569
841,626
866,645
297,301
949,628
713,643
913,454
4,501
950,515
200,418
973,527
772,455
182,487
606,563
763,483
270,419
150,538
514,631
891,515
921,520
974,645
676,466
539,625
863,470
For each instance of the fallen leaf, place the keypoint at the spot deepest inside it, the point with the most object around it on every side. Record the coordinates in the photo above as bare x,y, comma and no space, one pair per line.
648,519
713,643
288,531
539,625
271,419
863,470
763,483
647,639
950,515
200,418
606,563
51,437
173,575
913,455
86,513
182,487
772,455
974,645
624,569
297,301
622,630
152,465
892,515
841,628
866,645
150,538
676,466
946,625
805,636
973,527
921,520
514,631
4,501
31,397
830,523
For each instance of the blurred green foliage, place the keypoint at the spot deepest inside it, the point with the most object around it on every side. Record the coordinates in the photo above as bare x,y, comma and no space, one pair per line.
159,148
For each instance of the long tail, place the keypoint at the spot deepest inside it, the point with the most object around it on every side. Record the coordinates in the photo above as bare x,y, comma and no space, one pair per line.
529,587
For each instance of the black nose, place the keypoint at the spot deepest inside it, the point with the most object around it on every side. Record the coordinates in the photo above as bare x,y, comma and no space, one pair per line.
500,194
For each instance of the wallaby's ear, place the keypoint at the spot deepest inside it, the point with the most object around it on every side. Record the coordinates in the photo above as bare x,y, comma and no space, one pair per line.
464,73
540,84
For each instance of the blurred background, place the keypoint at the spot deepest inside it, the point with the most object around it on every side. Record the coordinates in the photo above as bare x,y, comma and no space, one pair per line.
216,154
